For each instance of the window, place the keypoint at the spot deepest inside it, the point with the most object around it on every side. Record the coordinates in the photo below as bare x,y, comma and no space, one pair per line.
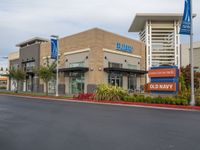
115,79
76,64
130,66
29,66
114,65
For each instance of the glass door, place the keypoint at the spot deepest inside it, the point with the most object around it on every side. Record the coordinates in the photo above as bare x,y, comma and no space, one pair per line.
132,82
77,83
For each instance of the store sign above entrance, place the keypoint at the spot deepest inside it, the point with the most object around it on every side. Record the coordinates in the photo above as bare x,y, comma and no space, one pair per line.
124,47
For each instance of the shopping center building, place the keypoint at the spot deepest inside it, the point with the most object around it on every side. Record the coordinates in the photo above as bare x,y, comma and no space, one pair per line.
94,57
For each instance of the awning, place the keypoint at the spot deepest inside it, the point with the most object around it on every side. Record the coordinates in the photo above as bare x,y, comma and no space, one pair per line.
74,69
125,70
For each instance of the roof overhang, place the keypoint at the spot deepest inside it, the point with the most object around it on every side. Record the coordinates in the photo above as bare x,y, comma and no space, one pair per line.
30,41
141,18
124,70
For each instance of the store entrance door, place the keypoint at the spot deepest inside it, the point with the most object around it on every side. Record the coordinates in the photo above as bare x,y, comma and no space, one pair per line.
132,82
77,83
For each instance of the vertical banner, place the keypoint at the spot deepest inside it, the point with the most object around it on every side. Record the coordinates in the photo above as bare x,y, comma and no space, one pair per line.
186,20
54,48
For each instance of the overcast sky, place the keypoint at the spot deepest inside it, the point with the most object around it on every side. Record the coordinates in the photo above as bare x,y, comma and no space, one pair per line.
23,19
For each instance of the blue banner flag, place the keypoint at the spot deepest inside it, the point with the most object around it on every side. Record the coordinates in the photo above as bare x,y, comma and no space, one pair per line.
54,48
186,20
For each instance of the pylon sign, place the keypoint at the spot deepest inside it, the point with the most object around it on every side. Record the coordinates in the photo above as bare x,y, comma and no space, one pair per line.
164,80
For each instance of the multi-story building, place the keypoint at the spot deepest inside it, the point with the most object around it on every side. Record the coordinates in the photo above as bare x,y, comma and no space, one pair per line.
27,59
94,57
160,33
185,55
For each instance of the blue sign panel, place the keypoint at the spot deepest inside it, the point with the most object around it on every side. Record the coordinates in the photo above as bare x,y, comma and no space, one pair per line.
186,21
54,48
124,47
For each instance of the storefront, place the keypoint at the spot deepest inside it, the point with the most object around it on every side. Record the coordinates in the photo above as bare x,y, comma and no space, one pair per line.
96,56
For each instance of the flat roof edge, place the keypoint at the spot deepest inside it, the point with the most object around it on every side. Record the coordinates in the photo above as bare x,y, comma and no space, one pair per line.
32,40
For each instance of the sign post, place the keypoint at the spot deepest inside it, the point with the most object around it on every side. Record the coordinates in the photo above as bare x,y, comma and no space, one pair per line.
187,29
54,55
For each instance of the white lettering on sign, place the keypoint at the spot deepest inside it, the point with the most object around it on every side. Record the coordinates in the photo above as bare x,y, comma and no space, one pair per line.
163,86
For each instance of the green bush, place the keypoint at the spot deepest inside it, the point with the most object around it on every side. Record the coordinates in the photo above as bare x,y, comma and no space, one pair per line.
2,88
109,92
197,98
158,100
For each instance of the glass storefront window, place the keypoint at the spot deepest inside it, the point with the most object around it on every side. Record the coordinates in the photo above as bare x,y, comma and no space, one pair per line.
114,65
29,66
76,64
130,66
77,82
132,82
115,79
52,86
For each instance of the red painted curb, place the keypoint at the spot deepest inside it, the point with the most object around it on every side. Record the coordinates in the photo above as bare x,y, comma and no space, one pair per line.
145,104
187,107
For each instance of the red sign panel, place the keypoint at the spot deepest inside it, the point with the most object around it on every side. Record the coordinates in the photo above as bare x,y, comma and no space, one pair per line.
171,72
162,86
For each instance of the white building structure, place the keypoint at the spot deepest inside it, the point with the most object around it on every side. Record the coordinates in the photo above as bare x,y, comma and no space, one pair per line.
185,52
160,33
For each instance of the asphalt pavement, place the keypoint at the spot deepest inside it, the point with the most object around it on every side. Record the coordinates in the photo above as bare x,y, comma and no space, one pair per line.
34,124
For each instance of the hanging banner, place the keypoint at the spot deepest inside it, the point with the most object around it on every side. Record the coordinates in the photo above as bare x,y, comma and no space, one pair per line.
186,20
54,48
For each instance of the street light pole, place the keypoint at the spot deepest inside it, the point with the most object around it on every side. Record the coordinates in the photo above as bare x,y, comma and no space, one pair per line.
192,102
57,67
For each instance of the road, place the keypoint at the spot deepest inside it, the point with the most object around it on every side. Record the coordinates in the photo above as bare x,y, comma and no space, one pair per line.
34,124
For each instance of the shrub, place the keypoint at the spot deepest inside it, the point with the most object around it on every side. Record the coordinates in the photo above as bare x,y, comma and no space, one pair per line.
158,100
2,88
109,92
197,100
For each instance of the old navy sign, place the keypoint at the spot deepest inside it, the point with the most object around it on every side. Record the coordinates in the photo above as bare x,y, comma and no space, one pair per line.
162,86
124,47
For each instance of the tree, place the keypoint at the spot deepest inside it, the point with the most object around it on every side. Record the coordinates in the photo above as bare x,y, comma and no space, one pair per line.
185,73
46,73
18,75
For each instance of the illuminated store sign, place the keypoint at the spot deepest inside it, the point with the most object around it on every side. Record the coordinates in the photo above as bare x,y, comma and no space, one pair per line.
124,47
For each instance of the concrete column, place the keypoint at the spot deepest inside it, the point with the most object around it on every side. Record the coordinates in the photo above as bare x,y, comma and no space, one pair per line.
35,83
